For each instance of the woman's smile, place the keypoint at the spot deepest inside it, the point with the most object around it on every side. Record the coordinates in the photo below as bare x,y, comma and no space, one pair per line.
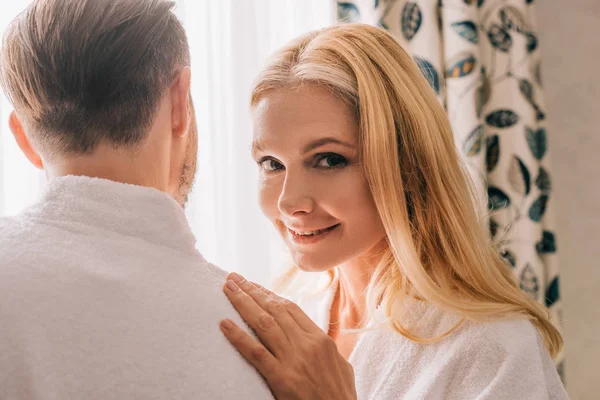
310,236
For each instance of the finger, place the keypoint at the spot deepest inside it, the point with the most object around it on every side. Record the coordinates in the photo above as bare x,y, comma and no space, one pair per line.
263,323
276,305
271,303
303,320
253,351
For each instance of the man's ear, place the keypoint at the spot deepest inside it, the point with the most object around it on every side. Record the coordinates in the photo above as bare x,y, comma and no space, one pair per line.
24,144
180,102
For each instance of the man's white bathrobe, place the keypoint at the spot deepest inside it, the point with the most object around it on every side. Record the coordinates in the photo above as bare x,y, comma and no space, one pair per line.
104,296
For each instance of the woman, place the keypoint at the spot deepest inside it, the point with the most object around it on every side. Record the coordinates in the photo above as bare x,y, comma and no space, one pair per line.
360,175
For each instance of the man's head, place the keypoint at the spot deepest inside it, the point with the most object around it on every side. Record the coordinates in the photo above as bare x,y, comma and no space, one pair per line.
98,85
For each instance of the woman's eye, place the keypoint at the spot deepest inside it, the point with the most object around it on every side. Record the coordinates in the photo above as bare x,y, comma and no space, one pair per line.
270,165
332,161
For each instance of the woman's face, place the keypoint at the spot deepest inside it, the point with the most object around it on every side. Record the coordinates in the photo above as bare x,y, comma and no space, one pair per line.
311,185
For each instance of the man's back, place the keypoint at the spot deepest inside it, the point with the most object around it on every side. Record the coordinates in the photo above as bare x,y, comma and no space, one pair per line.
103,296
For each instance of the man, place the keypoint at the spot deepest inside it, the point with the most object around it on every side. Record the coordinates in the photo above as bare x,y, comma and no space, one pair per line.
102,292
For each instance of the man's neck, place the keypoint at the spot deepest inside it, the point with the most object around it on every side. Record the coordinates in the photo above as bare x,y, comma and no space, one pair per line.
111,207
106,162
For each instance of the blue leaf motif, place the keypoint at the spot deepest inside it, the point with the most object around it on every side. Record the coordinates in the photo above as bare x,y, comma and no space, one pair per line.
547,244
538,208
497,199
429,72
519,177
474,141
553,292
493,227
513,19
376,4
480,3
543,181
411,20
493,152
348,12
529,282
537,142
509,257
537,72
502,118
539,114
467,29
461,65
483,93
526,89
532,41
499,38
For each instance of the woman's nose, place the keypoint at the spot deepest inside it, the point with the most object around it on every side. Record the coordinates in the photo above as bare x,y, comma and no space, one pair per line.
295,198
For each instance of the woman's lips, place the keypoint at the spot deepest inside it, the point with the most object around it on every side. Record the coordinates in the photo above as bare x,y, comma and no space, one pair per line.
310,237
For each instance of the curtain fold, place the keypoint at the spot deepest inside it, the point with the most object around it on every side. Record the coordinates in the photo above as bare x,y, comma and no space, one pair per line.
482,58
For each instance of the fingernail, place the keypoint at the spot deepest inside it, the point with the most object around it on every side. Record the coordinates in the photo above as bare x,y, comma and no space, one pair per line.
226,325
236,277
232,286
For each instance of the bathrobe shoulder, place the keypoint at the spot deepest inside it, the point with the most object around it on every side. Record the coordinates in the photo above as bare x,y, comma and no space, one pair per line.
103,295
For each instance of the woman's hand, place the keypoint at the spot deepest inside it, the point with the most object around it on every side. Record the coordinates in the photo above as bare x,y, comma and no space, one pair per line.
297,359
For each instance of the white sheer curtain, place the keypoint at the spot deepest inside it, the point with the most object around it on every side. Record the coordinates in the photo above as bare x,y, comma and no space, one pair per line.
20,182
230,40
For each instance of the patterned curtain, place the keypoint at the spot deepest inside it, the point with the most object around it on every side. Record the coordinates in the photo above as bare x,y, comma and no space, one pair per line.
482,58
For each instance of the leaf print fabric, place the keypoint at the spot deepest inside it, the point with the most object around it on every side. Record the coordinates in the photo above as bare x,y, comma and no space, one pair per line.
482,59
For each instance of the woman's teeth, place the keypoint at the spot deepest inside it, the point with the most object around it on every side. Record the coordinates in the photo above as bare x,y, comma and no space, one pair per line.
312,233
308,233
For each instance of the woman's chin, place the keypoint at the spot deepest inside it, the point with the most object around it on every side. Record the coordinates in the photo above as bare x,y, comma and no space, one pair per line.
307,265
304,268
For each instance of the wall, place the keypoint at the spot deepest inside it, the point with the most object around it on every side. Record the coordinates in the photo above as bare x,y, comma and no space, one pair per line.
569,34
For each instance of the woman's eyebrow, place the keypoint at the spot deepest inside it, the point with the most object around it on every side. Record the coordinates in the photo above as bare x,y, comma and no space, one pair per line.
326,140
258,145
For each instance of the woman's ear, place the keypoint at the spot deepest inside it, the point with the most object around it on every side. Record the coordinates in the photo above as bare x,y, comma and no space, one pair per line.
24,144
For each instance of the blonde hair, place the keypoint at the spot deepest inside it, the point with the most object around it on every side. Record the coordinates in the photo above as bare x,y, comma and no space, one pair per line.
438,249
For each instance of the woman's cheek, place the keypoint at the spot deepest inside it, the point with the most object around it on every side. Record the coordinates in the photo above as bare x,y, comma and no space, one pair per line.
343,191
268,197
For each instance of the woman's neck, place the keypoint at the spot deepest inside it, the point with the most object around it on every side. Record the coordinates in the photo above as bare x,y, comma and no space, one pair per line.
349,306
350,299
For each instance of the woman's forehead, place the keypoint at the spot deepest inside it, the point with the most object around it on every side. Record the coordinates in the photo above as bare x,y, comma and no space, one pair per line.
305,114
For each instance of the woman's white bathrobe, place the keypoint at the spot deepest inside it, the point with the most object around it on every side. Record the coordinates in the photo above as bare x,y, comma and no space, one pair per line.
497,360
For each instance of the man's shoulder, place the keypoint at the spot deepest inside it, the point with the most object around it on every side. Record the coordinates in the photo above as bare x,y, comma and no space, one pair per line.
13,228
217,272
9,221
